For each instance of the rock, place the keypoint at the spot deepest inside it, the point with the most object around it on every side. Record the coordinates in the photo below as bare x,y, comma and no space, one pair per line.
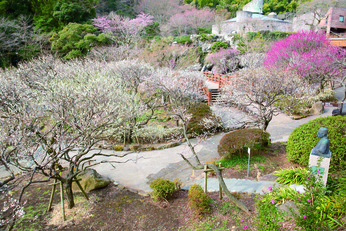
91,180
206,47
169,145
288,207
135,147
317,108
195,67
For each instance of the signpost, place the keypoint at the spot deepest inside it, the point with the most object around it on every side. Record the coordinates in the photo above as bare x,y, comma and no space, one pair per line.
248,162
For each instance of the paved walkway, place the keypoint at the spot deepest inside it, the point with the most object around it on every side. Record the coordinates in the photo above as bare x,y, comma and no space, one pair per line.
143,167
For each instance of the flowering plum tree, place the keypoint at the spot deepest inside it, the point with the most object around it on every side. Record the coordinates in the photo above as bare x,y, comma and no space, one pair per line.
307,53
182,88
256,90
191,20
58,119
123,29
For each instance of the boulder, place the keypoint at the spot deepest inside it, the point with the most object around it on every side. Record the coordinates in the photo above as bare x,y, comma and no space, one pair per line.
90,180
195,67
317,108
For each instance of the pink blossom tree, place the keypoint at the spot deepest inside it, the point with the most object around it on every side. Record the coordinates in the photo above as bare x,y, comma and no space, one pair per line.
191,20
123,29
309,54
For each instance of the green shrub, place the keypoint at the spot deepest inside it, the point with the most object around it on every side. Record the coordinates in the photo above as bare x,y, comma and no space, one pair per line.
200,112
183,39
235,142
291,176
199,201
294,106
304,138
118,148
162,189
204,30
327,95
217,46
205,37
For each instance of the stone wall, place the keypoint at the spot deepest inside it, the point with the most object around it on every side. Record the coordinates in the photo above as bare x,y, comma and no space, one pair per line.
251,25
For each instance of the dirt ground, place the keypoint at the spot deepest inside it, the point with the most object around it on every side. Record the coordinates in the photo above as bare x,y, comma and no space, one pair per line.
116,208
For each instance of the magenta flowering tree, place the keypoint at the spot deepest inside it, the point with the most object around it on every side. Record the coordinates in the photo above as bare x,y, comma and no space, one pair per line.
309,54
224,60
191,20
122,29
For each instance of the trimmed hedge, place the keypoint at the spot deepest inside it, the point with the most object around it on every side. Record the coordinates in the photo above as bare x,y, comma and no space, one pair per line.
233,143
304,138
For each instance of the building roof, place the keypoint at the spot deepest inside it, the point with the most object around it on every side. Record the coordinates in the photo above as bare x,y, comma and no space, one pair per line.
260,17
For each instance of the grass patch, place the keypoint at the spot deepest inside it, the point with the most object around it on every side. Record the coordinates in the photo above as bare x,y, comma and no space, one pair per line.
241,162
32,218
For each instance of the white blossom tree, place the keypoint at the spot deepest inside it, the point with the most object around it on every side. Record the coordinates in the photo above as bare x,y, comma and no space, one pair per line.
183,89
256,91
82,104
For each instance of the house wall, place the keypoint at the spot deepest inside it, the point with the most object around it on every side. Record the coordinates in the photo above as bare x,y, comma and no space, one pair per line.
331,21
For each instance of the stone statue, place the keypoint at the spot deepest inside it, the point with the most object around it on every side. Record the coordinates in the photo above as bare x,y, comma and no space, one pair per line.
322,147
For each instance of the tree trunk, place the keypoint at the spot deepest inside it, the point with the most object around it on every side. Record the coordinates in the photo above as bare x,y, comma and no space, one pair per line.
226,191
69,193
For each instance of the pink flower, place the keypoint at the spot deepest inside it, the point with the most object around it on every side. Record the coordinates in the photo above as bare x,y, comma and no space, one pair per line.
299,199
270,188
304,217
305,209
298,191
318,170
273,202
245,227
309,201
242,221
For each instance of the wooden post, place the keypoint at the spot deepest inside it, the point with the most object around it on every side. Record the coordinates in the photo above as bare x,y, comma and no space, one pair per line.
220,188
81,188
52,196
209,97
62,201
205,178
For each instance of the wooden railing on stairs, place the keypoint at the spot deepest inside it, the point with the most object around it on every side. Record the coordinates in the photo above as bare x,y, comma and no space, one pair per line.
220,80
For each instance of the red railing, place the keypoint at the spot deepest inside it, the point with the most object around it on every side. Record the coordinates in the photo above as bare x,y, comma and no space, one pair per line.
219,79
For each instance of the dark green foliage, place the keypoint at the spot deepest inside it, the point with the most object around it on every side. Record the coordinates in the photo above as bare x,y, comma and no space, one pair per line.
18,41
199,201
162,189
216,46
200,111
72,12
12,9
234,143
152,29
76,40
304,138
